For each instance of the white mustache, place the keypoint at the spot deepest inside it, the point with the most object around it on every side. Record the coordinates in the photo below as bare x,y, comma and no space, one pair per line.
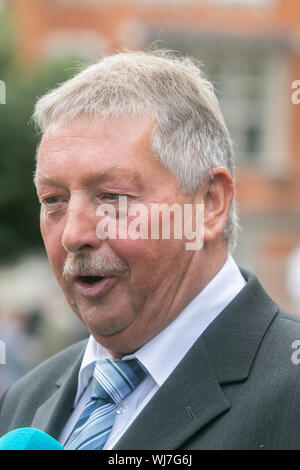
90,265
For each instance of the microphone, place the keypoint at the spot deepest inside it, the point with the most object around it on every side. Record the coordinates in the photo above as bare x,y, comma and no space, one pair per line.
29,439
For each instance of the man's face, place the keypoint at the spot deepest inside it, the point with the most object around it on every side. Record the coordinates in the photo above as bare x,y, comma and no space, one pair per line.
86,163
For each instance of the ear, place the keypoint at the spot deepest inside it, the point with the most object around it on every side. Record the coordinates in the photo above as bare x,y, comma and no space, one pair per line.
217,198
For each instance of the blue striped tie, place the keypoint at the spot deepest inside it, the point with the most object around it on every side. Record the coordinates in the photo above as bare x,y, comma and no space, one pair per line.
113,380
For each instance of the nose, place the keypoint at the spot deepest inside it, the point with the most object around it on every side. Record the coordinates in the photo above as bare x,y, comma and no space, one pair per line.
79,234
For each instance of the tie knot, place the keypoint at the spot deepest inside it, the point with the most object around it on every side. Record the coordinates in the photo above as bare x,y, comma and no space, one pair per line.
114,379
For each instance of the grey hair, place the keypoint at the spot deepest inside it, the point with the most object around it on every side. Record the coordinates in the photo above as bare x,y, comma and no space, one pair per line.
189,136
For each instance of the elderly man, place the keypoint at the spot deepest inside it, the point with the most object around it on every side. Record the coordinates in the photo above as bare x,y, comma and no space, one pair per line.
185,349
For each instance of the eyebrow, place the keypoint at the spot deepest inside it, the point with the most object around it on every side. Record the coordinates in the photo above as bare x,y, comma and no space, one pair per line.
112,173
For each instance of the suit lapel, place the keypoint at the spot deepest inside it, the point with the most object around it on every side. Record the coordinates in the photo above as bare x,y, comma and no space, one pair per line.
52,415
192,396
235,336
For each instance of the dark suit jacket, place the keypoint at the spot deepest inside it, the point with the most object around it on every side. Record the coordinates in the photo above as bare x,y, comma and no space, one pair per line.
236,388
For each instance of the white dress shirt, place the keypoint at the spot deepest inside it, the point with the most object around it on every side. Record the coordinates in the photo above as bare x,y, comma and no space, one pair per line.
161,354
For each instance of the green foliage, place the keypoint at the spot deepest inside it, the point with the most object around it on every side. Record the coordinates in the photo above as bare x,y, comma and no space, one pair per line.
19,208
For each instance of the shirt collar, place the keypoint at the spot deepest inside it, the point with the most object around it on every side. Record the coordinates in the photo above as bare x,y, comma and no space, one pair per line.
177,338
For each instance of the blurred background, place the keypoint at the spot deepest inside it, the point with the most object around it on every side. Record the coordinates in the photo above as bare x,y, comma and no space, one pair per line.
250,50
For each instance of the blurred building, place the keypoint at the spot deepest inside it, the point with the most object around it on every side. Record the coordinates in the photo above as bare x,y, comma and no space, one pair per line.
251,52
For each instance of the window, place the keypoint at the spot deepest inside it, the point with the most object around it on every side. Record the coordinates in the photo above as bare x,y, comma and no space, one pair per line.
251,82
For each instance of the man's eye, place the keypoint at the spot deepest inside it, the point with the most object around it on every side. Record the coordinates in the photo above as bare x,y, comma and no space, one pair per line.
112,196
51,200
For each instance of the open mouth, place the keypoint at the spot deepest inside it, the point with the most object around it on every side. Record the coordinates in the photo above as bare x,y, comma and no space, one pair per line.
90,279
93,286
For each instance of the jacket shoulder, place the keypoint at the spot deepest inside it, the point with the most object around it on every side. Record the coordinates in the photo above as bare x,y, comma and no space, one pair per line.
289,317
52,368
25,395
286,324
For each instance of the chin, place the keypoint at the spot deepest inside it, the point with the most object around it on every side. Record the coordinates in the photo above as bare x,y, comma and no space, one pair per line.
117,336
109,326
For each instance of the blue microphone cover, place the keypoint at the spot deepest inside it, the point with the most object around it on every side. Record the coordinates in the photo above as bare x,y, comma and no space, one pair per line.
28,439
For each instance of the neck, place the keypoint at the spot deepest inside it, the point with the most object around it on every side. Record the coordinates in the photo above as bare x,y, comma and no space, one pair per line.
201,270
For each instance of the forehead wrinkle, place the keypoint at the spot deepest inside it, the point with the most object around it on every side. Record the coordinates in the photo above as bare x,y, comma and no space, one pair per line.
117,173
52,138
114,173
